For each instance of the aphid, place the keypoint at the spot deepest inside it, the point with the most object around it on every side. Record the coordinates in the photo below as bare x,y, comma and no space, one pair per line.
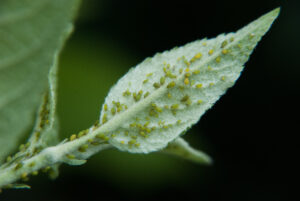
231,39
149,74
204,44
31,164
70,156
156,85
130,142
137,144
145,81
209,68
83,148
105,107
199,101
171,85
186,81
73,137
185,98
18,166
146,94
169,95
187,75
196,72
224,43
225,51
174,106
104,118
199,86
126,93
24,176
178,121
162,80
113,111
218,59
34,173
210,52
223,78
211,84
122,142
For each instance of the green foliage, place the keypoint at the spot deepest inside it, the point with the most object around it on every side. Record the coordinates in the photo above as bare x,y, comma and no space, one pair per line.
149,109
31,35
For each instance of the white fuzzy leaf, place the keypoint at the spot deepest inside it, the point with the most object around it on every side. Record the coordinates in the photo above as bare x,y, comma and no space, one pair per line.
165,95
179,147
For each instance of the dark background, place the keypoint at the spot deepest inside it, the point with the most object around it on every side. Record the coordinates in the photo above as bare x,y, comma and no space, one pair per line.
250,132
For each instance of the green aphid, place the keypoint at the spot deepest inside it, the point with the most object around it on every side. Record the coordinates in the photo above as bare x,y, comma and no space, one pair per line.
146,94
83,148
156,85
171,85
113,111
162,80
185,98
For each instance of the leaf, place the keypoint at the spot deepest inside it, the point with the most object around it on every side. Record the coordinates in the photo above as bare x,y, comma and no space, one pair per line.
165,95
179,147
31,34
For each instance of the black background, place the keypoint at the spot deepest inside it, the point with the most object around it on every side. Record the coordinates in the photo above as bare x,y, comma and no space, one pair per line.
250,133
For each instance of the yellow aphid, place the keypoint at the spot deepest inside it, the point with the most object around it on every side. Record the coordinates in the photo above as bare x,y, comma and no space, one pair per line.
231,39
169,95
209,68
199,101
145,81
187,74
180,70
210,52
204,44
199,86
104,118
198,55
218,59
187,70
196,72
223,78
211,84
105,107
225,51
73,137
137,144
122,142
186,81
34,173
24,176
149,74
178,121
131,142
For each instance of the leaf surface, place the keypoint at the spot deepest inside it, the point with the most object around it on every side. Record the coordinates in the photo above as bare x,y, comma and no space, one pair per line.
165,95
